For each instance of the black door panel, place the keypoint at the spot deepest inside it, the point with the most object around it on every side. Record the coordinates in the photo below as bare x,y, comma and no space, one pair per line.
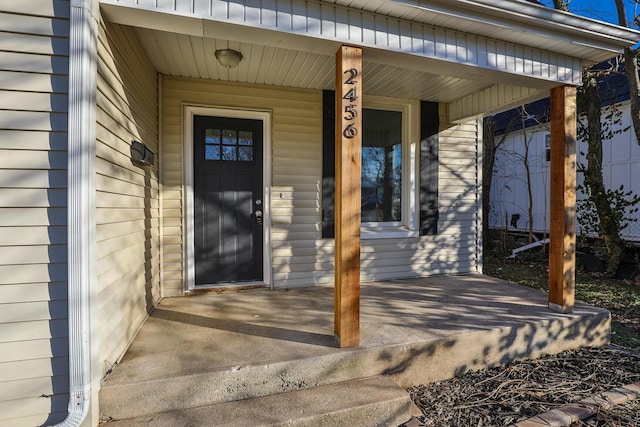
227,193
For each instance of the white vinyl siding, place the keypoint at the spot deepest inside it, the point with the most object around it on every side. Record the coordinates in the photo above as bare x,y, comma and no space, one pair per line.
127,196
491,100
454,250
509,195
34,50
296,150
299,256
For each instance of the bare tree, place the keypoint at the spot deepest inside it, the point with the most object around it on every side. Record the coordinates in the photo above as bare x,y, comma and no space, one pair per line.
592,132
594,183
525,157
561,5
525,160
631,70
490,146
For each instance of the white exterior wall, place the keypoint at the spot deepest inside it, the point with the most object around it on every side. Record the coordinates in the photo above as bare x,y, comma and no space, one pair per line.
34,50
300,257
620,166
297,170
127,196
509,186
455,249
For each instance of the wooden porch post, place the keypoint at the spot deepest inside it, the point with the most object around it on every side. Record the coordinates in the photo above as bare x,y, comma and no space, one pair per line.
347,195
562,231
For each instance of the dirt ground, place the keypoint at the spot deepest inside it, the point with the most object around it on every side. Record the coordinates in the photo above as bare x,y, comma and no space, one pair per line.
508,394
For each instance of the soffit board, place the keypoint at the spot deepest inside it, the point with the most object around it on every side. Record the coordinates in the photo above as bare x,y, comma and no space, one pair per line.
320,26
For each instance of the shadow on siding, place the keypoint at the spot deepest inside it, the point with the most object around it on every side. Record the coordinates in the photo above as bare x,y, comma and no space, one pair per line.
57,219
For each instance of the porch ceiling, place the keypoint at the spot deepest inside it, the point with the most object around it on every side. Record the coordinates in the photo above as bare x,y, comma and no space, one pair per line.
478,56
192,56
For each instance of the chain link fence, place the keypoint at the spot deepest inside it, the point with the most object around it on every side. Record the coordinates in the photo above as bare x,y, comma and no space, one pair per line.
518,221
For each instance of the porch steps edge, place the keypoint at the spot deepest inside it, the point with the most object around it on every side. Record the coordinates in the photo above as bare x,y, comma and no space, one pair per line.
368,402
407,364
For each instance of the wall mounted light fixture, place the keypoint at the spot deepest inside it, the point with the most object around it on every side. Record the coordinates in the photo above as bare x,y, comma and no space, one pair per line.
228,58
141,155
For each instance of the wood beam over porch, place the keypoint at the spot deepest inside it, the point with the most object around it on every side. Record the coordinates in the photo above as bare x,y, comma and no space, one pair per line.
347,195
562,246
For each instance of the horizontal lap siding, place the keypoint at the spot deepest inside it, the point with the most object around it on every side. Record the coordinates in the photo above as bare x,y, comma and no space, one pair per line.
454,250
299,256
459,195
127,198
33,216
296,169
297,173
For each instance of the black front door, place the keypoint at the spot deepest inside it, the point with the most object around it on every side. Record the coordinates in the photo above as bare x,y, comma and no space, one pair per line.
227,200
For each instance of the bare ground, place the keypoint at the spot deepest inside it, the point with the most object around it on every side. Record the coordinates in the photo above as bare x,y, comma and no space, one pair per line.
508,394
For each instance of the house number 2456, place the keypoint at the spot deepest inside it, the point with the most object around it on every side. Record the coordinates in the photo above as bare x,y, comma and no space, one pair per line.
350,110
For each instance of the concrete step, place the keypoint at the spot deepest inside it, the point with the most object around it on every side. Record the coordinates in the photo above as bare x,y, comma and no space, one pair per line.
129,399
131,393
375,401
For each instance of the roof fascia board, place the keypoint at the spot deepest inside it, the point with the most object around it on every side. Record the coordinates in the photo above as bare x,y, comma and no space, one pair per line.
524,16
387,37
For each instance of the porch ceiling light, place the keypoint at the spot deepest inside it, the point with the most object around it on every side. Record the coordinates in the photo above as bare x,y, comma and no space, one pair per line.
228,58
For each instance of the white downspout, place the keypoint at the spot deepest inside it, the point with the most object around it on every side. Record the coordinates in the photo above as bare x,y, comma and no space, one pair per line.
81,203
479,218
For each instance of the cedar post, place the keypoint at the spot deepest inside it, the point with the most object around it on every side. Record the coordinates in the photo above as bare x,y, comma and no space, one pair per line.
347,195
562,230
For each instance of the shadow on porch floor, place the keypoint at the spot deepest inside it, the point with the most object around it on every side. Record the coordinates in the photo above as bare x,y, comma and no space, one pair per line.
221,347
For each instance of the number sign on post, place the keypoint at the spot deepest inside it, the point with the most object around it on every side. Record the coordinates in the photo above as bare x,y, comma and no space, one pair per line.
347,203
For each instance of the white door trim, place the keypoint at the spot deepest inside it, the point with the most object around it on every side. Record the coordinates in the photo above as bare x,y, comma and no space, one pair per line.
189,250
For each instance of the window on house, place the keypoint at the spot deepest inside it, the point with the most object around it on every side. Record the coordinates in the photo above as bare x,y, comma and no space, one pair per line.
381,166
547,147
397,136
388,180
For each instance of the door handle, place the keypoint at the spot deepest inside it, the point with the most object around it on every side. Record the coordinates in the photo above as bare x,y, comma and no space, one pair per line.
258,216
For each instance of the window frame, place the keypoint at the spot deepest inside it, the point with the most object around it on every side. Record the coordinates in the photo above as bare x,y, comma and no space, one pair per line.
408,224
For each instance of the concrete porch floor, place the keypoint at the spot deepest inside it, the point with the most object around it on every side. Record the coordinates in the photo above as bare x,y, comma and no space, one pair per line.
222,347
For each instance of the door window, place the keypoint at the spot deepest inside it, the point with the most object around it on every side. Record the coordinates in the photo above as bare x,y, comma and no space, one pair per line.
228,145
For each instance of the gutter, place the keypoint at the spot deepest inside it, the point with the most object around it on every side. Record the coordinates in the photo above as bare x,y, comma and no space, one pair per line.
81,203
558,20
529,20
